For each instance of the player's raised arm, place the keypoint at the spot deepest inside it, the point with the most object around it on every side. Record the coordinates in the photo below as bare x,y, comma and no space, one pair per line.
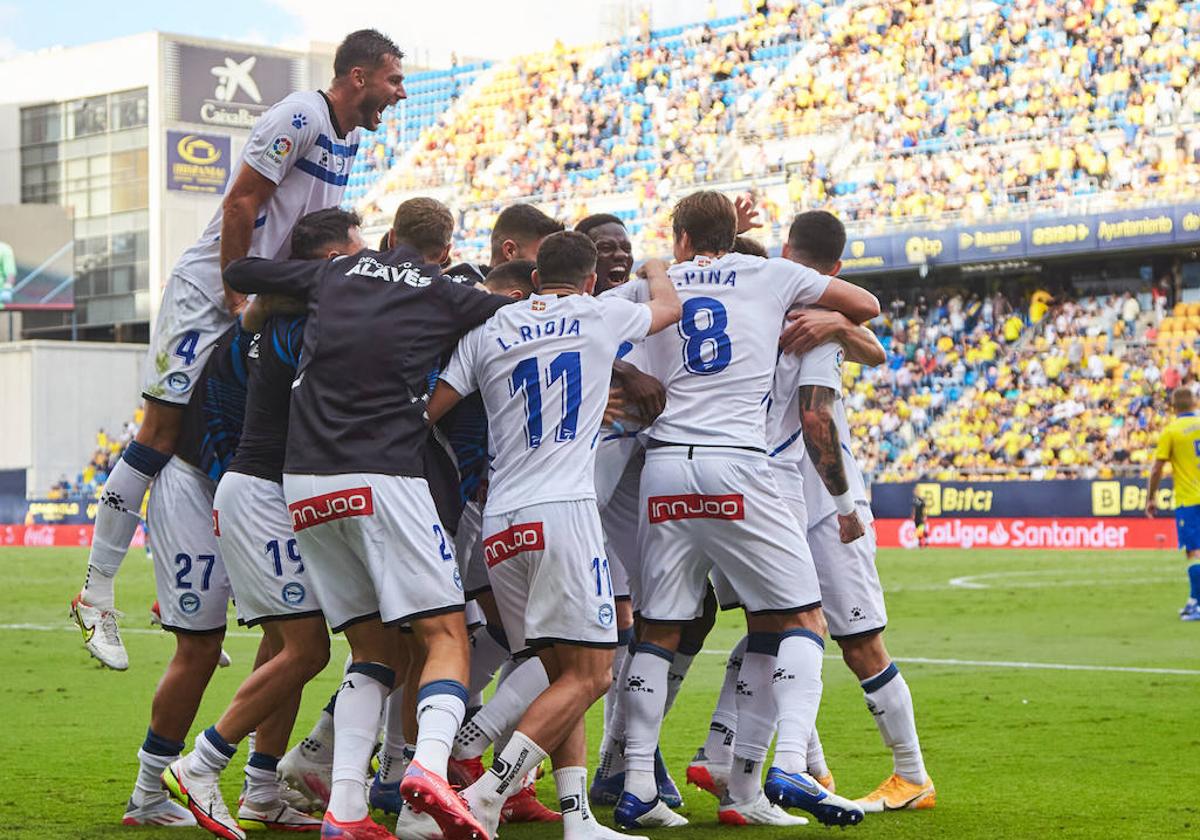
444,398
665,306
255,275
855,302
824,446
809,328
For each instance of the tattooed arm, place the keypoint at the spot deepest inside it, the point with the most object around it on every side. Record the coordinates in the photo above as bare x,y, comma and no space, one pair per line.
824,446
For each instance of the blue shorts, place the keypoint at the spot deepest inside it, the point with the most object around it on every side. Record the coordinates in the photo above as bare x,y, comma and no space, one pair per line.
1187,527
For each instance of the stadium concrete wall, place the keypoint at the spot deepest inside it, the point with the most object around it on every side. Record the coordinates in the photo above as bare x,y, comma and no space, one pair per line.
54,396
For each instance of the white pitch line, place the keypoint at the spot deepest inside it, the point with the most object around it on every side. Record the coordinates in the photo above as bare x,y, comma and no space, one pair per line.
1037,666
916,660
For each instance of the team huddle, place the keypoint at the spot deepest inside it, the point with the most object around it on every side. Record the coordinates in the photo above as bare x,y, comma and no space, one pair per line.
543,471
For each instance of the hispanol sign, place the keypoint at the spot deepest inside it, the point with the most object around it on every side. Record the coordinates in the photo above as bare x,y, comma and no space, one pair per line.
228,88
197,163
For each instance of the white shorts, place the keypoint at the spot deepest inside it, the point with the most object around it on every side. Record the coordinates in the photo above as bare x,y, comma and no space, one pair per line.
189,577
188,325
550,576
720,508
373,546
787,481
468,548
851,593
619,518
260,551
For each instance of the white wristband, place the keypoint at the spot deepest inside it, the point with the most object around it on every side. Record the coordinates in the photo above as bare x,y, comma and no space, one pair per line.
844,503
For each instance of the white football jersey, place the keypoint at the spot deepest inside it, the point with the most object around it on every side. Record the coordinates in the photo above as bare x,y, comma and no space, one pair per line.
543,367
719,361
617,445
820,366
295,145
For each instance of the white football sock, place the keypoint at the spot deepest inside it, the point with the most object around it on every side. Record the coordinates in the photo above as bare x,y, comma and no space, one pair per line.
391,757
489,650
506,775
890,702
612,750
675,677
355,718
573,802
513,696
645,692
745,779
796,685
756,716
816,756
210,755
441,706
148,787
718,746
98,587
614,690
116,522
262,785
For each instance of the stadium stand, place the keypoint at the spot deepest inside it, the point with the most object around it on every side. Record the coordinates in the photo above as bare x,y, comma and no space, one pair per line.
1079,394
89,481
1001,107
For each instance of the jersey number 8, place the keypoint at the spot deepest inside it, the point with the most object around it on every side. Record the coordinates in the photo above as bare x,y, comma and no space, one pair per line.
706,348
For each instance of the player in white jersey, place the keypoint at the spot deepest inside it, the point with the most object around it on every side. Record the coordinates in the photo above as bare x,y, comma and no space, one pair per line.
297,160
544,367
836,495
709,499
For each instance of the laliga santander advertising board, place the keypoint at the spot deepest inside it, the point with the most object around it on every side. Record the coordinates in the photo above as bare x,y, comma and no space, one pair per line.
1092,514
1067,533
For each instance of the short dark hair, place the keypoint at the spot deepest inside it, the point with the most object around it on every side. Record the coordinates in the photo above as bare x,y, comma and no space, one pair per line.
425,224
708,218
566,259
818,237
746,245
523,223
314,233
364,48
595,220
514,274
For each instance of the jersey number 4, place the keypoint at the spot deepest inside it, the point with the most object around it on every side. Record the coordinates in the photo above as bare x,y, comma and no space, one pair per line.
706,346
527,379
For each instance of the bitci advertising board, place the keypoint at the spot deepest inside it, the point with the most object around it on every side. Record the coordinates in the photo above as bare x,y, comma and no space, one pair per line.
197,163
37,257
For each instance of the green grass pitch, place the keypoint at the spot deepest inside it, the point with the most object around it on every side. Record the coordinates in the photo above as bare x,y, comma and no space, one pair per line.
1015,751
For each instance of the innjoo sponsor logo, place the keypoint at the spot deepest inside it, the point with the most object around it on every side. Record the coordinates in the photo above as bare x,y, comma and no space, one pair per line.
509,543
696,506
354,502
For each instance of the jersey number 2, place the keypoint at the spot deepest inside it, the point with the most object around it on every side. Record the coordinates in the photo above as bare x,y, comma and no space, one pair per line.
526,378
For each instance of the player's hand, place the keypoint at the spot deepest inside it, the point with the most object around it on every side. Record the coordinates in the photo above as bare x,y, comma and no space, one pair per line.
747,212
614,412
1151,509
235,302
850,527
643,394
652,266
809,328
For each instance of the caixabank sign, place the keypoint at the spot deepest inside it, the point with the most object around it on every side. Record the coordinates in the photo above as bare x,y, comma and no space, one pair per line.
227,88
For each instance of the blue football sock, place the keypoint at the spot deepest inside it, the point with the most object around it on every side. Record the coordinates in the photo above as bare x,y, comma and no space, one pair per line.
1194,578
